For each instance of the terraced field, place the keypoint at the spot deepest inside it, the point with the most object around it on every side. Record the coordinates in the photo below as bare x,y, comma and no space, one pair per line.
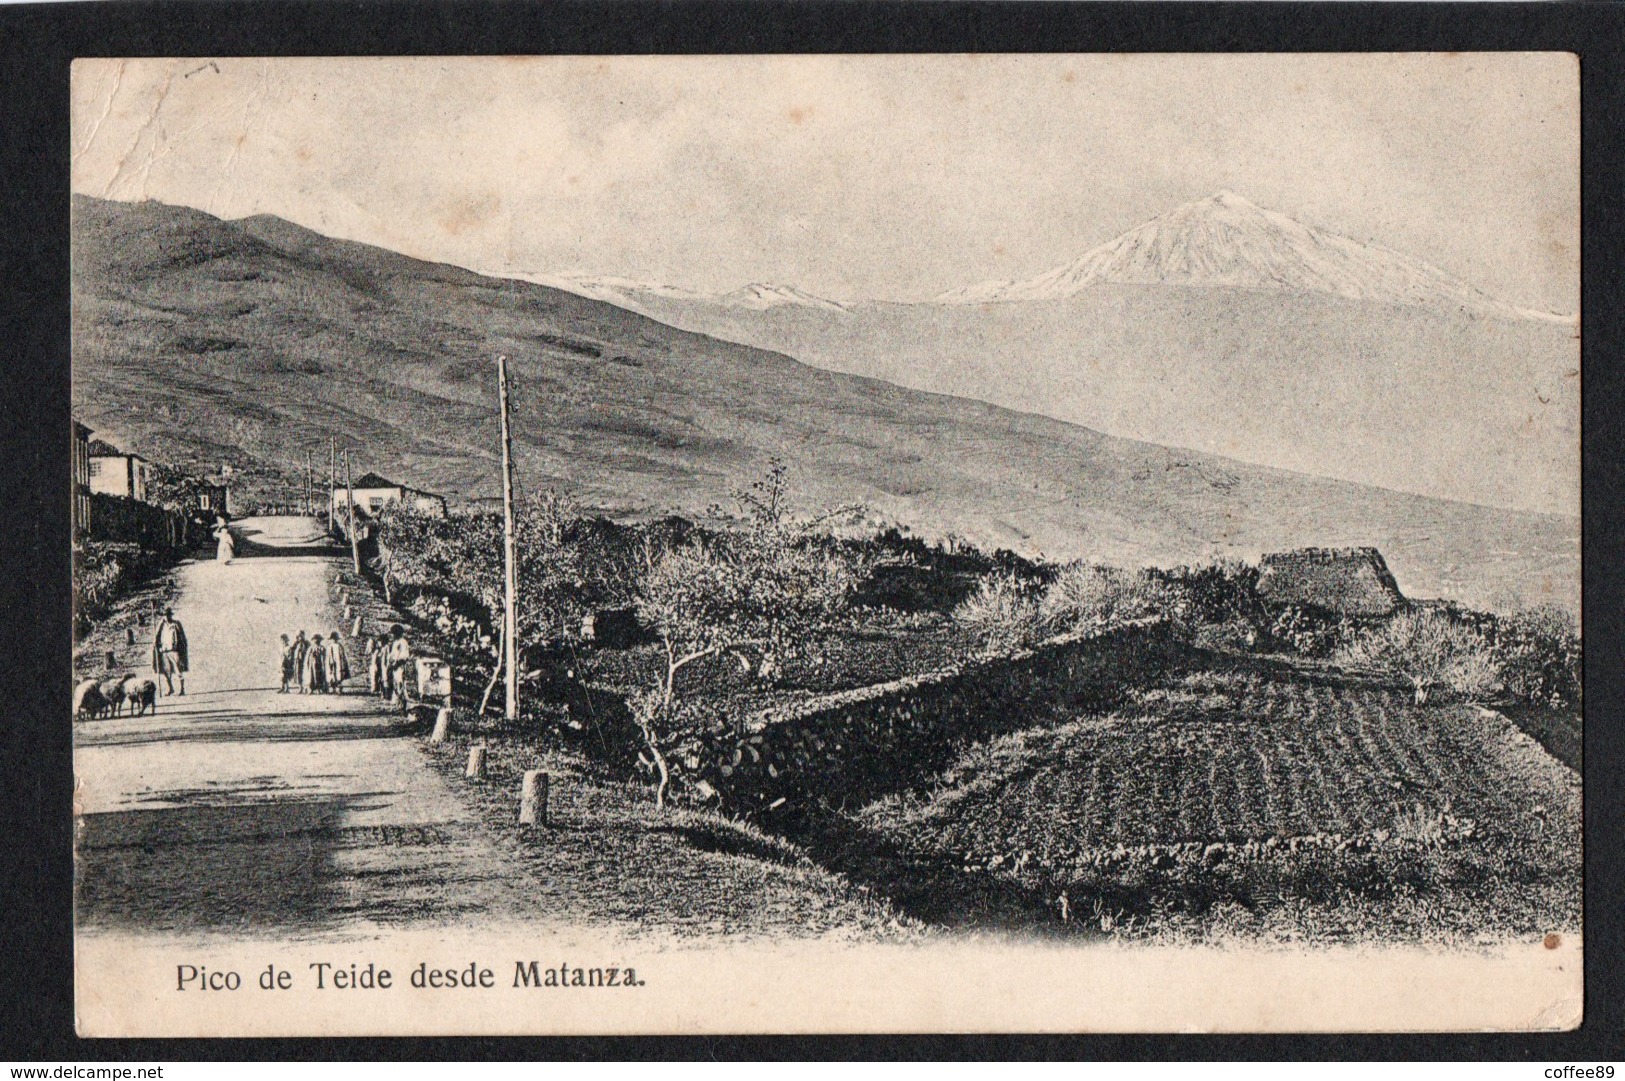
1264,785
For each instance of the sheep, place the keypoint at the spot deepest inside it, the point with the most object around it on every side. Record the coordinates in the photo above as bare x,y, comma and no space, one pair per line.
88,700
142,696
113,691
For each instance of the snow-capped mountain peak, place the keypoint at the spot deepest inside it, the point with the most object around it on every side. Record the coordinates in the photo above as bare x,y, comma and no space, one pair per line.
631,293
1226,240
760,296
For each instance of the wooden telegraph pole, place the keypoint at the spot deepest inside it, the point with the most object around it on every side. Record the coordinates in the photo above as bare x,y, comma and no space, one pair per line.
332,476
310,485
510,576
349,506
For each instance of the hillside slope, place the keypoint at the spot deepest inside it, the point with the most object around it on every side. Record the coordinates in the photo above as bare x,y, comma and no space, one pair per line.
254,341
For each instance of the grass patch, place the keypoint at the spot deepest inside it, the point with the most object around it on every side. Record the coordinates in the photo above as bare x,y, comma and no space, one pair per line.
609,858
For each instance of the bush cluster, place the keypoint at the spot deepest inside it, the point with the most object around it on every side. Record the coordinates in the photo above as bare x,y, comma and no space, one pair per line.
102,572
1538,654
1531,657
1085,597
570,565
1008,611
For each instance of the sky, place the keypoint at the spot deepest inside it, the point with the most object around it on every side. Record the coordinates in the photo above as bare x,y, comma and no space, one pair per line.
861,177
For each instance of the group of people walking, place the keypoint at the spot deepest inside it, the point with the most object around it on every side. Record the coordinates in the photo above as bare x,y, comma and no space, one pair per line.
318,666
314,666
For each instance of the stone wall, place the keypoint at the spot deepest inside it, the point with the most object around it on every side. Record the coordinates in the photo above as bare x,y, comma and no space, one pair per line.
848,748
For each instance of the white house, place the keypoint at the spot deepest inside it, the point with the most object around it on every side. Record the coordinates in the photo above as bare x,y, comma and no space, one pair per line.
113,472
373,493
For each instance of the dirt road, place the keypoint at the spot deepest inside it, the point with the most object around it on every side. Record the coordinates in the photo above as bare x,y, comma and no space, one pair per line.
237,808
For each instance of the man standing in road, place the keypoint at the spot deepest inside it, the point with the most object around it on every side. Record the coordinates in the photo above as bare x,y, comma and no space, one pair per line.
169,652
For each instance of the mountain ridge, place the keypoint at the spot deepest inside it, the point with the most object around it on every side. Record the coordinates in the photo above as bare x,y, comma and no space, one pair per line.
254,342
754,296
1221,241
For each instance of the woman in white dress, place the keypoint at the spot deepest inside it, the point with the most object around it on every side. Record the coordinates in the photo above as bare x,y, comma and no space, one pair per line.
225,547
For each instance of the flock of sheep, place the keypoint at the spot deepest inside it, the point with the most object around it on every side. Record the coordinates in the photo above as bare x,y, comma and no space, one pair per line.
112,696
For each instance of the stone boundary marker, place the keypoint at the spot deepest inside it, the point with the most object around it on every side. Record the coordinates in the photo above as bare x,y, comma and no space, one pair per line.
533,799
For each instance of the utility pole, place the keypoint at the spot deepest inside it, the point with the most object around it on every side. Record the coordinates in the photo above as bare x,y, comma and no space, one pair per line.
332,476
349,504
510,576
310,485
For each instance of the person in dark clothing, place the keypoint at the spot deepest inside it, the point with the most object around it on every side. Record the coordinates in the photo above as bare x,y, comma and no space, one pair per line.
169,653
397,657
290,666
314,676
301,649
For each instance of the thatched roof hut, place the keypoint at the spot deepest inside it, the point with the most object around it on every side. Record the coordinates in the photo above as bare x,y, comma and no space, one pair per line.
1341,581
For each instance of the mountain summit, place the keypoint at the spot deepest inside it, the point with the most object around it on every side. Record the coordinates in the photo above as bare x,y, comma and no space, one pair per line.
763,295
1227,241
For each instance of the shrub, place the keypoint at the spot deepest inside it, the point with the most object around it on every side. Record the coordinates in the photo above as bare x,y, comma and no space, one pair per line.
1475,674
1217,593
1232,636
1430,649
1083,596
1002,613
1419,823
1538,651
1310,633
102,572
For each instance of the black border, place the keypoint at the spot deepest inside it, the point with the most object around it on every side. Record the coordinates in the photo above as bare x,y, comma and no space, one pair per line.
37,42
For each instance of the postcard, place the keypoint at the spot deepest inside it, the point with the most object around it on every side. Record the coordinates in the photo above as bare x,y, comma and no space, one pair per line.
732,544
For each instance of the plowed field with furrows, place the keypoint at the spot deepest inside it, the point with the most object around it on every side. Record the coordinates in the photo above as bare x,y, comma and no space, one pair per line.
1237,754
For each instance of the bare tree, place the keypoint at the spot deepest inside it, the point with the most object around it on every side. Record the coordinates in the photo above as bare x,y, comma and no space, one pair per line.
756,593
